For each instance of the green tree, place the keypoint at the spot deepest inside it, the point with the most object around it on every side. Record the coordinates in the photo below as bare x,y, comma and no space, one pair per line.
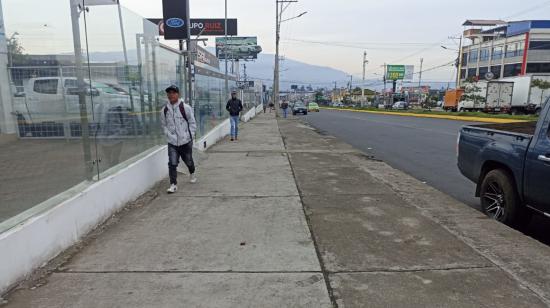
543,85
15,50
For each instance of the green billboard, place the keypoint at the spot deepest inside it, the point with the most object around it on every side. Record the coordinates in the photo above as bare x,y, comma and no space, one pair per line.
395,72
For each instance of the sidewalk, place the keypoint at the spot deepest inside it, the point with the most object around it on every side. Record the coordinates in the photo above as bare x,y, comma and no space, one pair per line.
301,223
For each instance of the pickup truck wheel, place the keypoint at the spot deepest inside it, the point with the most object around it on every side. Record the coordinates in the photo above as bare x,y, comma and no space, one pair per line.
499,199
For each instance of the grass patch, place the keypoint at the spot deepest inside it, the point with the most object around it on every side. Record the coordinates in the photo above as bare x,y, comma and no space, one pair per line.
458,114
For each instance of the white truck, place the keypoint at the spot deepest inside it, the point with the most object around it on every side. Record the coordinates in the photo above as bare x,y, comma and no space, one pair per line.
529,93
516,95
474,97
499,96
56,99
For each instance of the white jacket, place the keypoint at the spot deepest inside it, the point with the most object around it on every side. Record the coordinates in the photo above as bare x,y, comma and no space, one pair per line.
176,129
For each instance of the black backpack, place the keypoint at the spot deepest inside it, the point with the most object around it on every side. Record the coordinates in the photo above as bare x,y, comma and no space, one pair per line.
182,110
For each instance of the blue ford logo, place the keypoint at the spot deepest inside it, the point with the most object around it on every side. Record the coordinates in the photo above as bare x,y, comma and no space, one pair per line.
175,22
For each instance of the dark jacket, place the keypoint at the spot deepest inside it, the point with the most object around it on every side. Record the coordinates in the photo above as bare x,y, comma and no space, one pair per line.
234,106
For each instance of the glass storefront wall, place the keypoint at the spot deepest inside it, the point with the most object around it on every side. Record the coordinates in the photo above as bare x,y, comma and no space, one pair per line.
87,104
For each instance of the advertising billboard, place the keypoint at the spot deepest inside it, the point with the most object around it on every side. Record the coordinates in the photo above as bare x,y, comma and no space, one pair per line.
203,26
237,48
399,72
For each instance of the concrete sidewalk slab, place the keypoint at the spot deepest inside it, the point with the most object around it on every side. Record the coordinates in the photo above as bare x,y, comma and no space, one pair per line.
377,233
205,234
237,238
213,290
384,239
243,174
449,289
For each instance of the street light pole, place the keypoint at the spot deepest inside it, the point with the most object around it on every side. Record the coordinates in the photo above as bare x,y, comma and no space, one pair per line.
363,85
225,55
420,81
278,21
276,71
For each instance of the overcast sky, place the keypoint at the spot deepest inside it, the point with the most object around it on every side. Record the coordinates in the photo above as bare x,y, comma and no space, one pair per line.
392,31
332,33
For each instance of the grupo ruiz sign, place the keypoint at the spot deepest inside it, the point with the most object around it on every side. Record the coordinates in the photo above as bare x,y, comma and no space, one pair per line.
203,26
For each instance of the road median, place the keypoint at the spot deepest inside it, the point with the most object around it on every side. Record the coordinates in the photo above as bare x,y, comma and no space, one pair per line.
433,116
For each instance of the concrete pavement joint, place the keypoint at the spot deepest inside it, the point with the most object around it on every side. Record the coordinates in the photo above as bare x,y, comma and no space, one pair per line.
186,272
420,269
313,238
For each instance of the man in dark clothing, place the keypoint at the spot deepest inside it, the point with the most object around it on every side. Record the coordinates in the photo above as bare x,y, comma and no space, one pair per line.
284,106
234,106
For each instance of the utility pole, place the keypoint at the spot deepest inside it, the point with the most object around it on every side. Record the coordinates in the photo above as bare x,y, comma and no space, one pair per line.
189,58
385,73
364,71
225,54
278,21
459,68
420,81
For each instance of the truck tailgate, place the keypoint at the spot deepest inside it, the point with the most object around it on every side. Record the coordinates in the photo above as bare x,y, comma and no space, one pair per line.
479,144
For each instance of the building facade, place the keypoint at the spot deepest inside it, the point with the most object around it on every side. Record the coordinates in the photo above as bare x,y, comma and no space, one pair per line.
505,49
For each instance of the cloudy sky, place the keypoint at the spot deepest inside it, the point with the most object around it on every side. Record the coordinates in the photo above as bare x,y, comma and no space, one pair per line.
332,33
335,33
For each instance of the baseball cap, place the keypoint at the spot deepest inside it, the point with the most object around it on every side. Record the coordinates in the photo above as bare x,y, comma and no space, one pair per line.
173,88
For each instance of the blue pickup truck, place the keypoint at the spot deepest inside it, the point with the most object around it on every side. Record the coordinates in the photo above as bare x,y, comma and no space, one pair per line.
510,163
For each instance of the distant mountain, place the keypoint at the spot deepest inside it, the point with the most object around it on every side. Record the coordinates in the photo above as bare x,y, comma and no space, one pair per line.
292,72
296,72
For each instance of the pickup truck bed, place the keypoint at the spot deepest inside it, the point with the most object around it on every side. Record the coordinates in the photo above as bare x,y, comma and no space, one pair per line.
526,128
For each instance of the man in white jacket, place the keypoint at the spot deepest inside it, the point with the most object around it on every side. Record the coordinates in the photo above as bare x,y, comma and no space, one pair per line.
179,126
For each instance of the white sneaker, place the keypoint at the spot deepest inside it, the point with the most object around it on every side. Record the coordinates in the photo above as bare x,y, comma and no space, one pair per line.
192,179
173,188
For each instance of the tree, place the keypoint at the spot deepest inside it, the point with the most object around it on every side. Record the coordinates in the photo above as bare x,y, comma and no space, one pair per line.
15,50
543,85
319,96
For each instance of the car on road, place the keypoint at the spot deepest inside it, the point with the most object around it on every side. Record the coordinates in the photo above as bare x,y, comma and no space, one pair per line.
510,163
313,107
299,107
337,104
400,105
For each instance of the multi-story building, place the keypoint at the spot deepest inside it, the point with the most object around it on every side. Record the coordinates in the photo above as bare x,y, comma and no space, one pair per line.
505,49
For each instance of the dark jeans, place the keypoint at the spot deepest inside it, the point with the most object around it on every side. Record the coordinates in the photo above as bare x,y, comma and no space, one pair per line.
174,153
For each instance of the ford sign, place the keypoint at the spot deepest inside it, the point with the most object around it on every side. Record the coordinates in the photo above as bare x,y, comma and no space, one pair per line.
175,22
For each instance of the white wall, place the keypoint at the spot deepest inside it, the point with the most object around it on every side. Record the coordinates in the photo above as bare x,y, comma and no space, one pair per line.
37,240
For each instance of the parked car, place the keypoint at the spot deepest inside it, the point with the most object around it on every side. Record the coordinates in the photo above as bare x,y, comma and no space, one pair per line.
337,104
400,105
510,163
313,107
299,107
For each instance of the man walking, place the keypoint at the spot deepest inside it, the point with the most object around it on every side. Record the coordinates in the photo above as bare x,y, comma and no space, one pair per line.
179,126
284,106
234,106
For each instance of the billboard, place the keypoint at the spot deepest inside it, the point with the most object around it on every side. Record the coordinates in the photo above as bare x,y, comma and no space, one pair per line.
203,26
399,72
175,19
237,48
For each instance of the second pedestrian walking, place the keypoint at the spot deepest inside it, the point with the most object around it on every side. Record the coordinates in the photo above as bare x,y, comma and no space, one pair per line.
234,107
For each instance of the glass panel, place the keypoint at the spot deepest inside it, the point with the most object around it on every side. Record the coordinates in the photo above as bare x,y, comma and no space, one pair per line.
50,149
122,121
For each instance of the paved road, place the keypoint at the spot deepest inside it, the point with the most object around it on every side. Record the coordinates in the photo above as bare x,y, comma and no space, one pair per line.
423,148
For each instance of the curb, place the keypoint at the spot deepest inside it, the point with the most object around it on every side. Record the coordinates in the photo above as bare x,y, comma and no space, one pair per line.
434,116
